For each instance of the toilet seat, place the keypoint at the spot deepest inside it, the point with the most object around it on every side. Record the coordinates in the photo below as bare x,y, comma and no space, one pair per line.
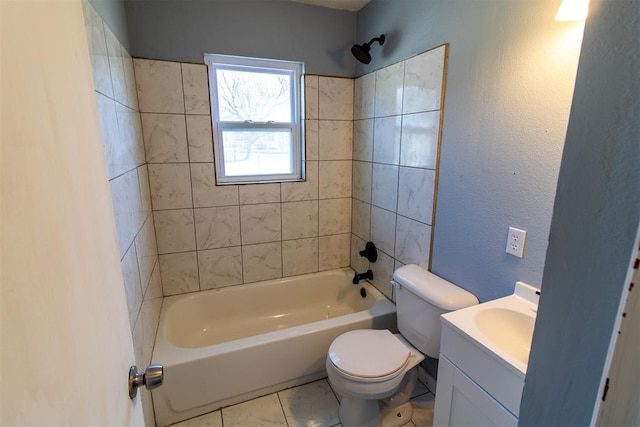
369,355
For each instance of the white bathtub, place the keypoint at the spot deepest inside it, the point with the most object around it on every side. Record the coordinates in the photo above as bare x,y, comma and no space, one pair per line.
225,346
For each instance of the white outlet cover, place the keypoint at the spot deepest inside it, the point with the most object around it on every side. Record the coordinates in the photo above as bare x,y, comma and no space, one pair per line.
515,242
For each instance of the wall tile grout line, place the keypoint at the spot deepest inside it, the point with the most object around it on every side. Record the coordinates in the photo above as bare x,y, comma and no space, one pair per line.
324,159
195,234
371,86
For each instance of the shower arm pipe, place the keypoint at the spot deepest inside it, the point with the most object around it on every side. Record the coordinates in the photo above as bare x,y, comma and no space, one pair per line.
376,39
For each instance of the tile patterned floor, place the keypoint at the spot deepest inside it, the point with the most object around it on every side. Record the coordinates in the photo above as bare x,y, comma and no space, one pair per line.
309,405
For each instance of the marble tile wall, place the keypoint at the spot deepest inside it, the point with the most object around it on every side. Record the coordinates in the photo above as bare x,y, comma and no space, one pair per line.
117,105
215,236
396,136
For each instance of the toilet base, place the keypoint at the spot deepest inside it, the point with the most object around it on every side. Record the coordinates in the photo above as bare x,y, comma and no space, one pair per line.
394,411
398,416
367,413
359,412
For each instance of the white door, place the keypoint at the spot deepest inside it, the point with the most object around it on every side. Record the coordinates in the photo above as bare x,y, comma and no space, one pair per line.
65,339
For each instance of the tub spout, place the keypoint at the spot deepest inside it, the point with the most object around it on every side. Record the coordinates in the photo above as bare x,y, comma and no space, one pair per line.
367,275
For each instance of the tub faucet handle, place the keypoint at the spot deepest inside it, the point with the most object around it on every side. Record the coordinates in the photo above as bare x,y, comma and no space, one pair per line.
370,252
367,275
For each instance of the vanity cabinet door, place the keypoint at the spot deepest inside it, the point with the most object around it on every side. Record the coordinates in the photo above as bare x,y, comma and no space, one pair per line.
461,402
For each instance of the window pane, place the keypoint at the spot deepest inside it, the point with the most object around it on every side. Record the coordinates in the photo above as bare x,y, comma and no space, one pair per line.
260,97
257,152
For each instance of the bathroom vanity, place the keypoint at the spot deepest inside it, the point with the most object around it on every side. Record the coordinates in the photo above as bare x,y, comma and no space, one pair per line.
483,361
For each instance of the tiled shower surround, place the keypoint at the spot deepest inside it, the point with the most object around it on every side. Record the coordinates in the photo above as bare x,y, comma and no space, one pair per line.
117,104
397,112
215,236
369,179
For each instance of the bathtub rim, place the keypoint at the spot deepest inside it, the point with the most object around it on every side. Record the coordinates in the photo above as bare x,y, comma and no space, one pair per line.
168,354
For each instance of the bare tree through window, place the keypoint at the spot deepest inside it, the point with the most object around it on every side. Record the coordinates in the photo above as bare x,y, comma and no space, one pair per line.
255,97
258,97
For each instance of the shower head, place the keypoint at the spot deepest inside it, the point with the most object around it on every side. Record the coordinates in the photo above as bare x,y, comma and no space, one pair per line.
361,52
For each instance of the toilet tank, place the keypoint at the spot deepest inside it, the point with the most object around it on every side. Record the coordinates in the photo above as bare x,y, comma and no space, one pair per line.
421,297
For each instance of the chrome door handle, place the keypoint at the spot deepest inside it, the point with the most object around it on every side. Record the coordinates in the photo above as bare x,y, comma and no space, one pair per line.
151,378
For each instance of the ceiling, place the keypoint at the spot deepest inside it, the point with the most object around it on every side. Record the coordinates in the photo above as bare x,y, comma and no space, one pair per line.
352,5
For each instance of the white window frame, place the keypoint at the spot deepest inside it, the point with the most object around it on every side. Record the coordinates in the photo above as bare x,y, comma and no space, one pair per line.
296,126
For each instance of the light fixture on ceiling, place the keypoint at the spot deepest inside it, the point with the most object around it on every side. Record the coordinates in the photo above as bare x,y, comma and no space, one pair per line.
573,10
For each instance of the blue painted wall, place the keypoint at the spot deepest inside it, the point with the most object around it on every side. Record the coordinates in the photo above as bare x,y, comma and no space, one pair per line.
595,221
183,30
510,80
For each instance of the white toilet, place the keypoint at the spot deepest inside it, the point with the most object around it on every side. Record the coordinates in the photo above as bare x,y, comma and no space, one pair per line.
375,371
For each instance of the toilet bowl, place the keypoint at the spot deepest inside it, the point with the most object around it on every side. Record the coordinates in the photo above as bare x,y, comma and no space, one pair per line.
375,371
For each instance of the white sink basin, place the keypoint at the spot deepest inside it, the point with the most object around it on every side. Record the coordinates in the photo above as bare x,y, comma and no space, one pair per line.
510,330
489,345
503,328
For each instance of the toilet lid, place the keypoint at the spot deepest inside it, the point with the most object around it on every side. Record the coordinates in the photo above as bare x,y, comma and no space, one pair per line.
368,353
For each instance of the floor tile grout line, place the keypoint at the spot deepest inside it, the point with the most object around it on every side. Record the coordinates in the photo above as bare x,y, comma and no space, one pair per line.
282,408
288,421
